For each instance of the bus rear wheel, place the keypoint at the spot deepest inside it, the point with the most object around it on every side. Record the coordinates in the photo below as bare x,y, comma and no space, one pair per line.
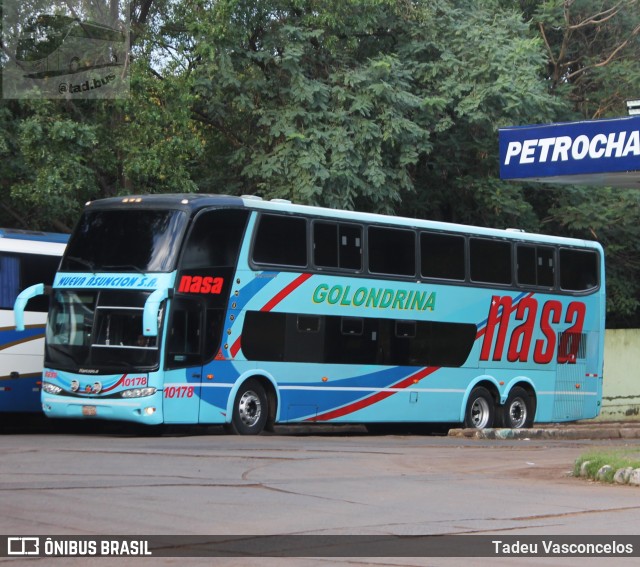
517,411
480,409
250,409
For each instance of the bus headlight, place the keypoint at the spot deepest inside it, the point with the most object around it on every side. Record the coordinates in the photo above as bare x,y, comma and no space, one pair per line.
138,392
50,388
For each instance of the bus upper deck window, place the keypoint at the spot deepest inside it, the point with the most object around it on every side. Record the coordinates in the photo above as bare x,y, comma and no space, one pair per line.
392,251
281,240
578,269
442,256
490,261
215,239
337,245
536,265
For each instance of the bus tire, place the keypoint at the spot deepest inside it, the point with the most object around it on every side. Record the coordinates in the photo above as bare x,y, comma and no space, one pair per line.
250,409
517,411
480,411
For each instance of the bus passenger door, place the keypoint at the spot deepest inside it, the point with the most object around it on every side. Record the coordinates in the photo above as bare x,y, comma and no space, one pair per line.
183,362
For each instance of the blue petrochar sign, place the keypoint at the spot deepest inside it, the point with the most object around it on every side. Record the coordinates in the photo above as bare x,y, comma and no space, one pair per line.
573,148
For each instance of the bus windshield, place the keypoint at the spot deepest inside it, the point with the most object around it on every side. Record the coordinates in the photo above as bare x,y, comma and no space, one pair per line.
86,329
125,240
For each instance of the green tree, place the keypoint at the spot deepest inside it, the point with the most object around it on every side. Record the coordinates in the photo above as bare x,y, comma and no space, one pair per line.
483,63
58,154
592,50
310,101
593,53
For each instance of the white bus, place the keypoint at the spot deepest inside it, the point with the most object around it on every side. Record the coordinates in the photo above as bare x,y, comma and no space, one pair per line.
26,257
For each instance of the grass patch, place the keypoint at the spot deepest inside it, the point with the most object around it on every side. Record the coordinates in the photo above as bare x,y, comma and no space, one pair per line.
618,459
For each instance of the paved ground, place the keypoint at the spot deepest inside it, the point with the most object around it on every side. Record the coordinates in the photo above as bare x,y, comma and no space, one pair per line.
321,480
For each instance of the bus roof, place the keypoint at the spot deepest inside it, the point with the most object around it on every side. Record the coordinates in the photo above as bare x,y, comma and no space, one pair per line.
32,242
193,202
39,236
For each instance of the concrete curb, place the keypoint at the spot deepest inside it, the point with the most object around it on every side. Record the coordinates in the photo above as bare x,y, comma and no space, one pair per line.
550,433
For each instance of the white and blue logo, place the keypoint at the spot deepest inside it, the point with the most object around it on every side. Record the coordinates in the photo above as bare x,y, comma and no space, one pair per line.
597,146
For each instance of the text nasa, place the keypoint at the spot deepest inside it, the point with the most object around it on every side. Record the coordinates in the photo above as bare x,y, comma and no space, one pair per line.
565,148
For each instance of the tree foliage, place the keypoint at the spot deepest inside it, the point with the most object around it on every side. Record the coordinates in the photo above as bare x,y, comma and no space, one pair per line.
381,105
593,63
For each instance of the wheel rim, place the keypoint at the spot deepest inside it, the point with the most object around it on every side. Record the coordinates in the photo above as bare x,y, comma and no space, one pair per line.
250,408
517,413
480,413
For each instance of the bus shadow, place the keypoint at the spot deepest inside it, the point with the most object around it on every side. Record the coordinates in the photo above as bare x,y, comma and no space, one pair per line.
36,424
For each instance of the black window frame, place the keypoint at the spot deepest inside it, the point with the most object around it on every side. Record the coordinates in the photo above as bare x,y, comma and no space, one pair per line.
285,244
392,229
466,242
32,268
536,248
490,242
561,272
340,259
441,235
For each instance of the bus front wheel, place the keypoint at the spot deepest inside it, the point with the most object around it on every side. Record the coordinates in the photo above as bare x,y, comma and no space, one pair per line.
250,409
480,409
517,411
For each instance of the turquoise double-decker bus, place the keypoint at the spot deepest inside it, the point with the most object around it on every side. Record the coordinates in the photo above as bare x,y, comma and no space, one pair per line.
211,309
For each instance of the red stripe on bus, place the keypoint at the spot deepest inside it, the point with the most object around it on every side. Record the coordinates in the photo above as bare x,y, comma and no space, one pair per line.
271,304
115,385
361,404
366,402
285,291
235,347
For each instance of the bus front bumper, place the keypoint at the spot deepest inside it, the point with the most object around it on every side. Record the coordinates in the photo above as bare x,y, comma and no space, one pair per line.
147,410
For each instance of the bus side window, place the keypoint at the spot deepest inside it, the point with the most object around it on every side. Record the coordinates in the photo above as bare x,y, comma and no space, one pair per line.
578,269
392,251
281,240
9,280
490,261
183,345
37,268
18,272
350,246
535,265
263,335
337,245
213,333
215,239
442,256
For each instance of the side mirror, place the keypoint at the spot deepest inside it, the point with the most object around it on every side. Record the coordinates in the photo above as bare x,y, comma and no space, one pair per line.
151,311
21,303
